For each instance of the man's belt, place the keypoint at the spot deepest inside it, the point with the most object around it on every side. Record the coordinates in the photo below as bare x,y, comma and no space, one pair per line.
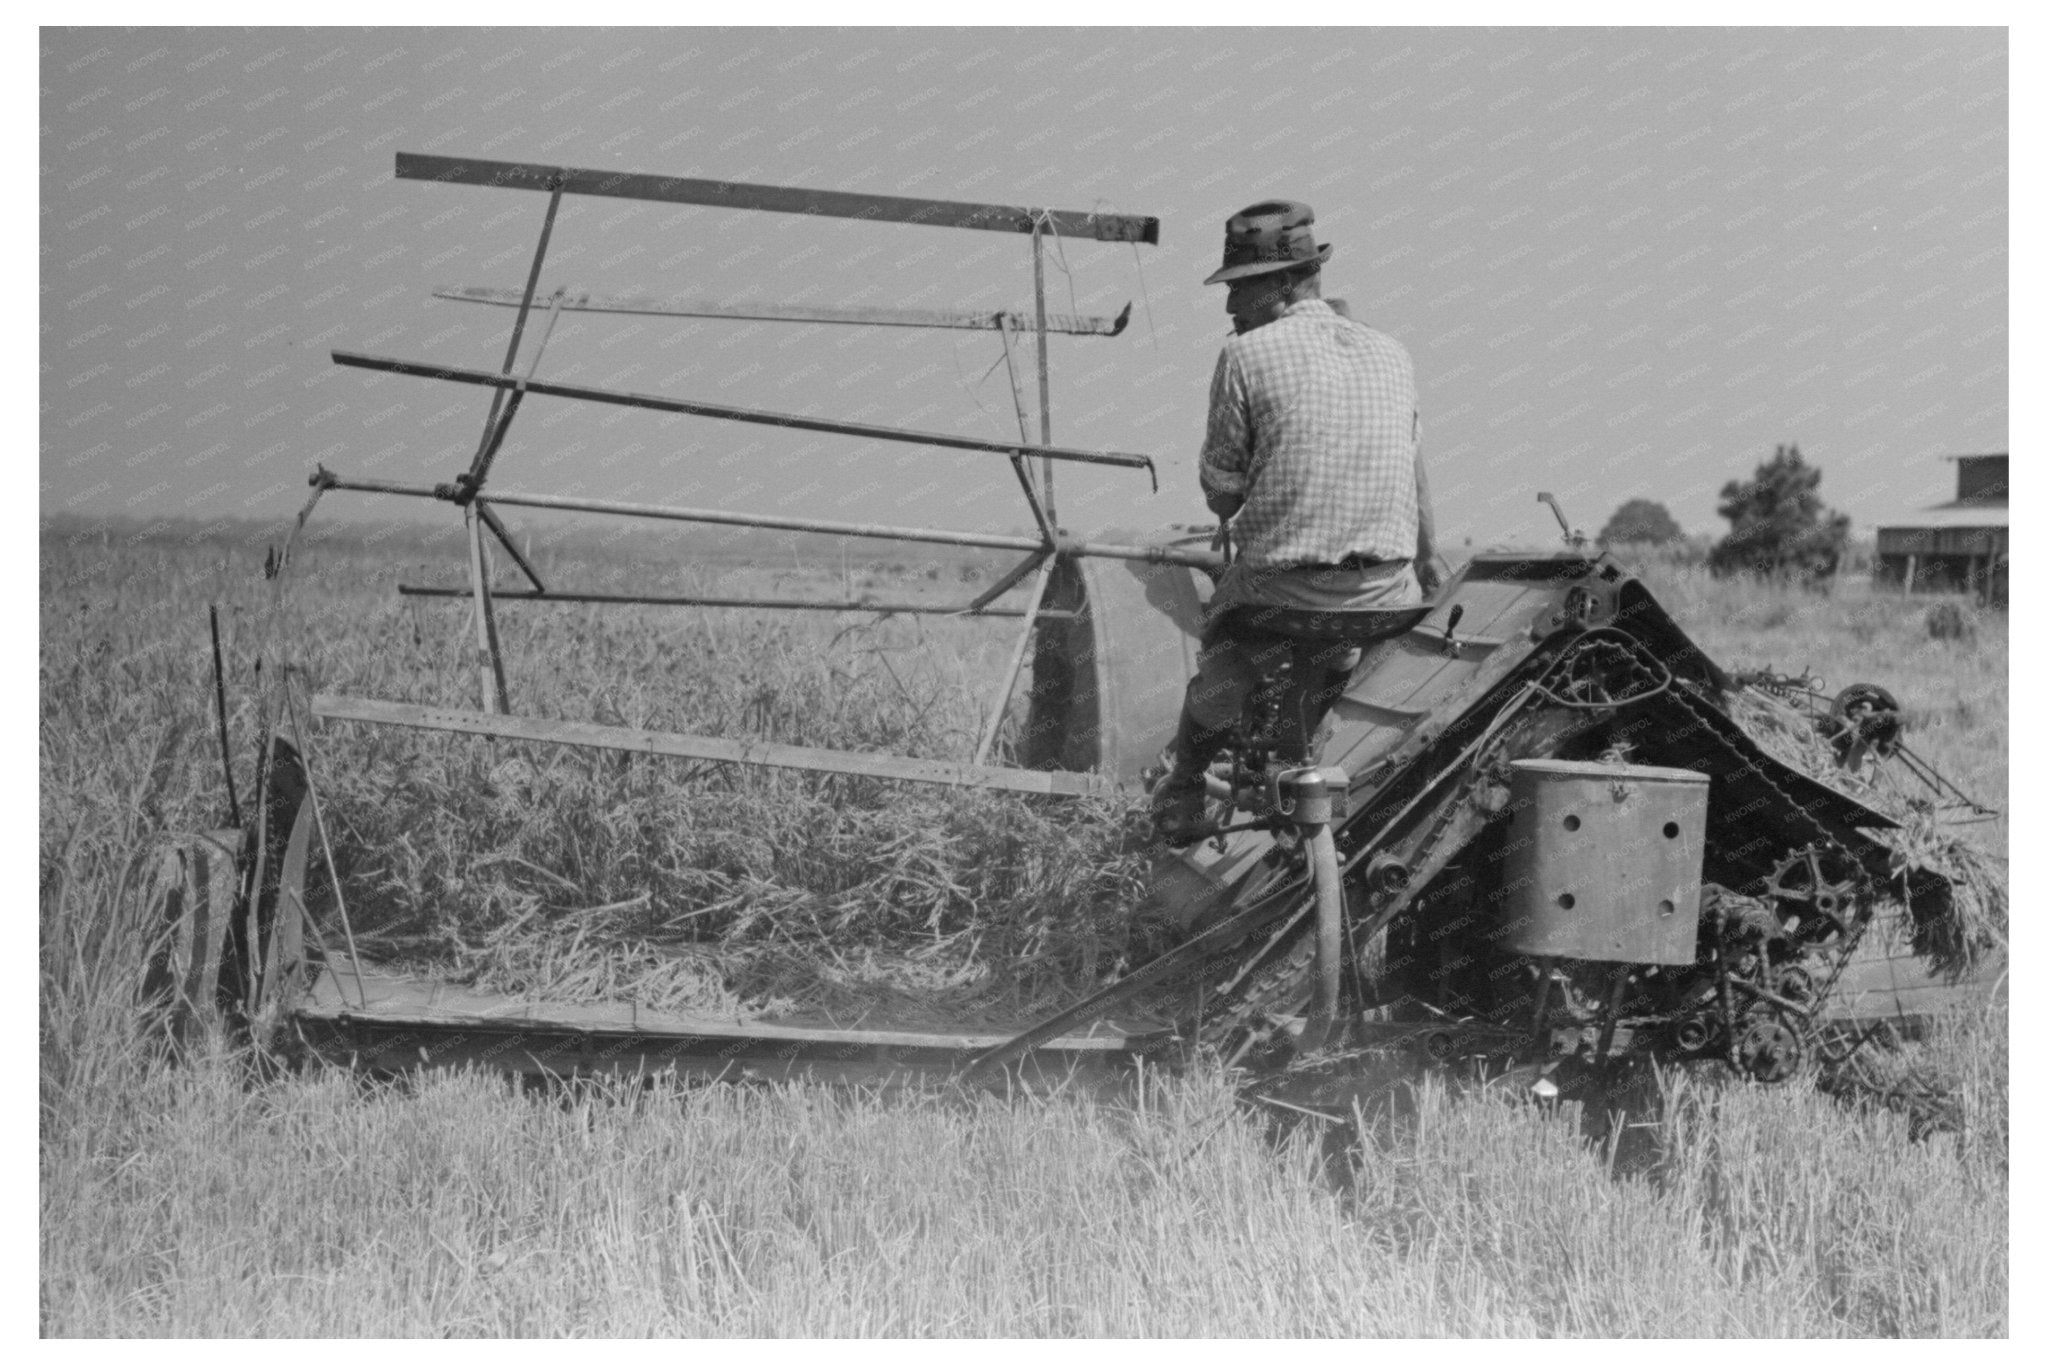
1355,562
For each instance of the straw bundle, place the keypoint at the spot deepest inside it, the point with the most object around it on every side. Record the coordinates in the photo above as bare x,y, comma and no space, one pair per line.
1955,930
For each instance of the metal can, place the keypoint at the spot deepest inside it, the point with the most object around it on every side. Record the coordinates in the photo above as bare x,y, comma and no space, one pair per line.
1603,861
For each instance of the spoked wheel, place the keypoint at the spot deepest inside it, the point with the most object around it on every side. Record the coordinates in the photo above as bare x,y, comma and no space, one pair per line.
1770,1048
1813,897
1865,719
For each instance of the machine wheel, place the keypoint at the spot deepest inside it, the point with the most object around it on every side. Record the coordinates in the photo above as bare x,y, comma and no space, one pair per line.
1769,1049
1812,905
1866,719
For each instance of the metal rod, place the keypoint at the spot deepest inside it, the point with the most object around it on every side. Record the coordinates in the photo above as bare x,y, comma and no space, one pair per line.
732,194
1010,364
649,305
519,326
1011,578
1044,363
490,668
1262,911
1039,511
480,468
1002,706
1329,885
259,869
759,752
467,483
458,374
1085,549
220,716
487,441
658,600
505,538
540,253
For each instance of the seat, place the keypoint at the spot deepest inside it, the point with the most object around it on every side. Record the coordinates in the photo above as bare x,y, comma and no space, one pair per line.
1349,628
1304,659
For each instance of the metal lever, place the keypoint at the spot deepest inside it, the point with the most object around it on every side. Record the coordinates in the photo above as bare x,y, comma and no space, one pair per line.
1575,539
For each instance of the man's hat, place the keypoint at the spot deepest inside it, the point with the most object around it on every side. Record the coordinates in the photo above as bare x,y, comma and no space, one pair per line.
1273,235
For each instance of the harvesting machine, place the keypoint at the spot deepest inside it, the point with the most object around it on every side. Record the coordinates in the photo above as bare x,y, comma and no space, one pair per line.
1538,828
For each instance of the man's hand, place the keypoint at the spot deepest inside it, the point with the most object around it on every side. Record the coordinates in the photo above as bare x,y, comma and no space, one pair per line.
1429,576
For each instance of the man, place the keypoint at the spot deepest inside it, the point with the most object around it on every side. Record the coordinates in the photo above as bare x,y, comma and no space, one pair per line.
1312,459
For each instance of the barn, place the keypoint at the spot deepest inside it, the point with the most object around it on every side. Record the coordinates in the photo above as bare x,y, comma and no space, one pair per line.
1958,546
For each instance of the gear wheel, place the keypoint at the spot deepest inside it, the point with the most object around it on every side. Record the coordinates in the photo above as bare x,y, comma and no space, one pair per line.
1812,906
1769,1049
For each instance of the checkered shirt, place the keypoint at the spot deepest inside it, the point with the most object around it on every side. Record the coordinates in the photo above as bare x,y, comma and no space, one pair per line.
1313,422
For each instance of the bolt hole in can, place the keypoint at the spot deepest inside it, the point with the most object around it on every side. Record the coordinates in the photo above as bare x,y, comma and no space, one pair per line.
1571,823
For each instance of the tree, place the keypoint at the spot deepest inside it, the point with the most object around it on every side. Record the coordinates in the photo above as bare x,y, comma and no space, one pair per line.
1640,522
1777,524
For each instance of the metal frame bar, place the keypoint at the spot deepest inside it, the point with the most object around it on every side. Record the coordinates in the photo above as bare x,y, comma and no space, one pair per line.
490,665
733,194
664,600
1068,324
509,392
1001,709
1044,361
1084,549
497,528
497,424
692,407
583,734
493,436
1011,578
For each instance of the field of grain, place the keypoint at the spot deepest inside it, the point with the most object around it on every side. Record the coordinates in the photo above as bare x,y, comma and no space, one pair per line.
210,1197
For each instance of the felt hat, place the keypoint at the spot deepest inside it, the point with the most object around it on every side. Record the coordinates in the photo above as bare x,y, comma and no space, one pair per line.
1271,235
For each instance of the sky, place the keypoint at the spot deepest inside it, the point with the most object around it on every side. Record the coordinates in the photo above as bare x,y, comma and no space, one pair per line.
1628,263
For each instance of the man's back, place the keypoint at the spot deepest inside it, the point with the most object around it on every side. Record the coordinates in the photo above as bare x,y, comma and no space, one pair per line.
1312,419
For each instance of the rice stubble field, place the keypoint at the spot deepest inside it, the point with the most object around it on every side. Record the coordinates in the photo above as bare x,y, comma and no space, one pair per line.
211,1197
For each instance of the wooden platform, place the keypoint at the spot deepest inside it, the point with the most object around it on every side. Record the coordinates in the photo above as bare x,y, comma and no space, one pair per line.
394,1023
1900,989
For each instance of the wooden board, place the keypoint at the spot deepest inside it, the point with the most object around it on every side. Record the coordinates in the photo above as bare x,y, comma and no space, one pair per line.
734,194
544,731
1899,987
416,1000
410,1023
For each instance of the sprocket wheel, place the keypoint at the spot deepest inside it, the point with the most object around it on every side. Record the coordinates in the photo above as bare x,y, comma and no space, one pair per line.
1811,905
1769,1049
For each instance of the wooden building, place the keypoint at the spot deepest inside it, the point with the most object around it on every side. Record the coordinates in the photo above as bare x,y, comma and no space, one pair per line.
1958,546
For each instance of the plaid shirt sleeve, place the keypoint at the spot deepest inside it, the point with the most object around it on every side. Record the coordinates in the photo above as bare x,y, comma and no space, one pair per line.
1227,448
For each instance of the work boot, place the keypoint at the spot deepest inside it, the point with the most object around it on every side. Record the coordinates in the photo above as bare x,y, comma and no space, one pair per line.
1180,800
